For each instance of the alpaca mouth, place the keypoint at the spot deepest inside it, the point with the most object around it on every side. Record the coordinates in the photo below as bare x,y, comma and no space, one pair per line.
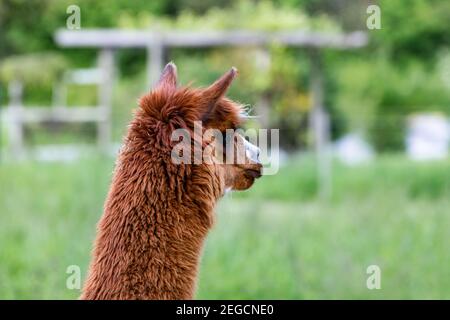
253,173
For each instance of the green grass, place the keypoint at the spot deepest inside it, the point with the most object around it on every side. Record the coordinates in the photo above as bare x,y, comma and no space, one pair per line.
274,241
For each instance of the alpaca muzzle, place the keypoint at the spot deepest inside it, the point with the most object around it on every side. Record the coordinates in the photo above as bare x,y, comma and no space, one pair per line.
252,152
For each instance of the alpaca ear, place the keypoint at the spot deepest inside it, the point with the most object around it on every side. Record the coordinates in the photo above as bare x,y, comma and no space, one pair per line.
218,89
168,78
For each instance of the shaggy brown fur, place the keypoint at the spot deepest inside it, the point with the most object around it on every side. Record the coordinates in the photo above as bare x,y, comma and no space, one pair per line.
157,213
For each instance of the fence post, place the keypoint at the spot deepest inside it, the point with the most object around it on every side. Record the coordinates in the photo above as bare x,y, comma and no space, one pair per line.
320,124
15,127
155,60
106,65
263,104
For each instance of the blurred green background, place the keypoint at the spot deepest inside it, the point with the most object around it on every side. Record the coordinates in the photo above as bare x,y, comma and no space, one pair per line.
279,239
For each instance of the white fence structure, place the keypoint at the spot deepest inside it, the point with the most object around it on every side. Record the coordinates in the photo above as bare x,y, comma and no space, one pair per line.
17,116
157,42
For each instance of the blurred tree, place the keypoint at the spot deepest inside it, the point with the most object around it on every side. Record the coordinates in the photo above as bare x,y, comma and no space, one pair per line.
404,70
197,6
28,25
414,29
27,69
398,74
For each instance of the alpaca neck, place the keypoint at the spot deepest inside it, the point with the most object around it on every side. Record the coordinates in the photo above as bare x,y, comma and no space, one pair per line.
149,242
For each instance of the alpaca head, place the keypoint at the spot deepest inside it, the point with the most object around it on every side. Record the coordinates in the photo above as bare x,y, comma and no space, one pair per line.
222,148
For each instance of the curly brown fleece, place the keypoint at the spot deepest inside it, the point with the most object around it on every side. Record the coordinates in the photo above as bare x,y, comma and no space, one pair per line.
157,213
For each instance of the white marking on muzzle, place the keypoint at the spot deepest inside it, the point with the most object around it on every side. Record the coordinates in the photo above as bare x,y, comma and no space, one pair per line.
252,151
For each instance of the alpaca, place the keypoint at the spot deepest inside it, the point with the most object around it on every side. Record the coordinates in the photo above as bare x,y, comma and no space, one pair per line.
157,213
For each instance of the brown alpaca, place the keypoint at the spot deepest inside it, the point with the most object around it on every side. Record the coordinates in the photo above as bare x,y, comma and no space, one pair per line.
158,213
